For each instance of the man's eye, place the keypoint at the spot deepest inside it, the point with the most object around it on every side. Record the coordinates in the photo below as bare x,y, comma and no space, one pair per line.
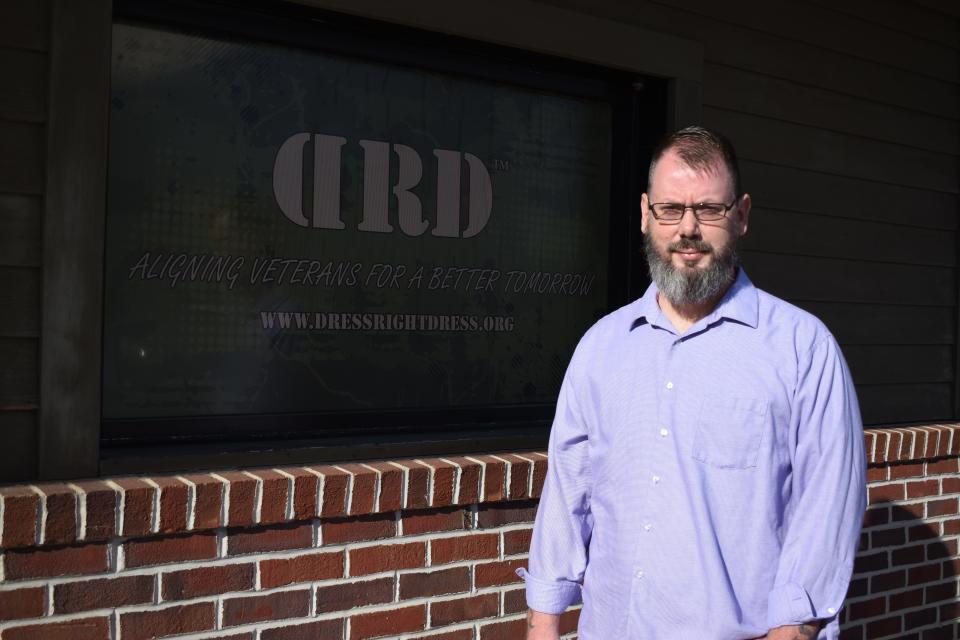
711,209
671,209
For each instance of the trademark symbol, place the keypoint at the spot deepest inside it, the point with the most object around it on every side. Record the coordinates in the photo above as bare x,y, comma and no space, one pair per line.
501,165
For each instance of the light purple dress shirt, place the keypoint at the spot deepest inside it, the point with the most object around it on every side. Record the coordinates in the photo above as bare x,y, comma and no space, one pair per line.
708,485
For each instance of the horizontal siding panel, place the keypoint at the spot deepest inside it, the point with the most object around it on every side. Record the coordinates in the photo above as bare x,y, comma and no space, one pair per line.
793,233
25,24
855,324
18,455
947,8
888,404
19,375
795,61
899,364
792,189
20,301
793,145
901,16
738,90
834,32
21,157
831,280
19,231
24,96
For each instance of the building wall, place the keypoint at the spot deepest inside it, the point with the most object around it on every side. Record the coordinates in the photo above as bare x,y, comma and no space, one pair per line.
405,549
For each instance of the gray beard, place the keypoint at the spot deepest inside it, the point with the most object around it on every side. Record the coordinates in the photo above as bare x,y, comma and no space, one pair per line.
695,286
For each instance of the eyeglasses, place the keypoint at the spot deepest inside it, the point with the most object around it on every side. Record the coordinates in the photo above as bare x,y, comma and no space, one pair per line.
672,212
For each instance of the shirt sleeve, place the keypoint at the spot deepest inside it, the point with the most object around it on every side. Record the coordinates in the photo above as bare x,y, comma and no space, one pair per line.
561,533
828,484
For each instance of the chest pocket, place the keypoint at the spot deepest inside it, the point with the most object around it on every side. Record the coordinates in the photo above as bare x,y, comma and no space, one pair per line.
729,432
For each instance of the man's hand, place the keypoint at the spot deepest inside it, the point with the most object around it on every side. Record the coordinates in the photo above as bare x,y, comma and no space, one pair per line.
806,631
542,626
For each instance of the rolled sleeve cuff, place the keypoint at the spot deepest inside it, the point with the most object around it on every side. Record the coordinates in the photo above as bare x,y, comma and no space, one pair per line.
789,604
547,596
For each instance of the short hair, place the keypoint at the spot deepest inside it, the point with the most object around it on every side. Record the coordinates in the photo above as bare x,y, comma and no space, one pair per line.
699,148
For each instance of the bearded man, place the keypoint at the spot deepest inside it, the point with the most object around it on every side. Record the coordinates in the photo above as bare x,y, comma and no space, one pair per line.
706,472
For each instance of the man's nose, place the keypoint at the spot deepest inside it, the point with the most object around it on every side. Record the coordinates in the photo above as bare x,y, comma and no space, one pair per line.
689,225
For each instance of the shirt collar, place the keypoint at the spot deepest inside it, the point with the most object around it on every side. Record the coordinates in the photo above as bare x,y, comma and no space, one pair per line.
740,304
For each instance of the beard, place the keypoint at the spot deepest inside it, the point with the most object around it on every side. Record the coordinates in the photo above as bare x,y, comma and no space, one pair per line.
683,286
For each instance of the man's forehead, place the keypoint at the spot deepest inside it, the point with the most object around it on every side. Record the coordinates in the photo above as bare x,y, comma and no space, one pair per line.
672,171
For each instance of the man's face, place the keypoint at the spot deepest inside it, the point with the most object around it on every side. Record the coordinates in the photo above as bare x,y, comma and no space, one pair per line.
691,261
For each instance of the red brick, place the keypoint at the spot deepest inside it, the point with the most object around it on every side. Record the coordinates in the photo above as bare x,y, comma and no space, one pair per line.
857,588
514,601
878,473
174,504
320,630
363,489
388,623
493,574
905,600
277,572
273,606
872,562
922,488
358,529
138,497
539,474
887,537
344,596
507,630
241,496
886,493
106,593
951,527
334,500
448,519
102,502
516,541
434,583
22,603
305,485
921,532
906,470
885,627
851,633
947,507
150,551
499,515
444,480
207,581
876,517
84,629
207,501
518,484
951,567
918,575
391,486
908,555
569,621
914,619
61,521
418,486
470,473
274,488
471,547
367,560
938,592
20,509
951,485
62,561
898,447
945,466
913,511
459,634
888,581
868,608
464,609
950,611
189,618
494,478
944,549
276,538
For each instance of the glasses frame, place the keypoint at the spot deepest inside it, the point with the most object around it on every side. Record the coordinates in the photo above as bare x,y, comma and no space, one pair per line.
693,207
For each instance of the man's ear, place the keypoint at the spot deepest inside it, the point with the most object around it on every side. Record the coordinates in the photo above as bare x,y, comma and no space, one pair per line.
744,217
644,213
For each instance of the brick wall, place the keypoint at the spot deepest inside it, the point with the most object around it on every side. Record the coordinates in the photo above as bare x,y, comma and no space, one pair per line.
402,549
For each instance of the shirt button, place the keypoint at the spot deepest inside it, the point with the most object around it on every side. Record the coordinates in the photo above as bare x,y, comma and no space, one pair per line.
831,610
639,574
656,479
663,433
669,385
647,527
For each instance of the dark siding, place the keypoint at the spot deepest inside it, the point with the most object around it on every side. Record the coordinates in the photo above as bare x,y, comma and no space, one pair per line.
24,40
845,116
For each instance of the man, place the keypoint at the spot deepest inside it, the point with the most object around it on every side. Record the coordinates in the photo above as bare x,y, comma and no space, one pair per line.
706,471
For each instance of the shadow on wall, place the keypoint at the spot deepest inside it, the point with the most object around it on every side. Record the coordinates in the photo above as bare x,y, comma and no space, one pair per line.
905,583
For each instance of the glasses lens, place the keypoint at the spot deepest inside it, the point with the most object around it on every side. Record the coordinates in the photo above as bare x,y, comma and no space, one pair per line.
710,211
668,211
